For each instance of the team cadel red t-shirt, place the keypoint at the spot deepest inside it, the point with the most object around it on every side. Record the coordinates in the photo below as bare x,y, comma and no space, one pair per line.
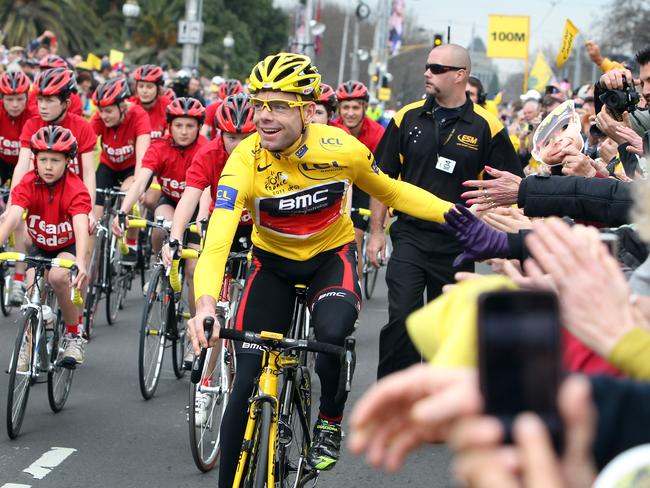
118,143
156,115
10,130
81,129
205,170
50,209
169,162
75,102
210,112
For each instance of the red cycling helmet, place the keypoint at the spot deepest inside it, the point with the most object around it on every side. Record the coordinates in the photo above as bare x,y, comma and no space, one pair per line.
185,107
57,81
54,138
50,61
111,92
352,90
230,87
169,93
327,96
14,83
235,115
149,73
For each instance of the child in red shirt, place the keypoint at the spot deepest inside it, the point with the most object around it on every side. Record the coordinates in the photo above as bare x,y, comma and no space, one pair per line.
168,159
57,205
14,86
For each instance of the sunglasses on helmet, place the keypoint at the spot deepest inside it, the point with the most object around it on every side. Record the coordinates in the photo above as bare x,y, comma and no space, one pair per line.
438,69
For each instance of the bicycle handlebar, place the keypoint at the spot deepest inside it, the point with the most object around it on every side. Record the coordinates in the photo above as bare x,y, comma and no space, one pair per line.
364,212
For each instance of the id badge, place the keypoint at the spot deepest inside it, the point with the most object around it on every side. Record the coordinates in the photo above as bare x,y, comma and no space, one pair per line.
445,164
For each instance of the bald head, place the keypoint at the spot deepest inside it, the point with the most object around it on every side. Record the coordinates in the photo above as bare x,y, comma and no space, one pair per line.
454,55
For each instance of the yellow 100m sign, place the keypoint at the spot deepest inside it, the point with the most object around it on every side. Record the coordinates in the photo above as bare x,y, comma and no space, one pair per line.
508,36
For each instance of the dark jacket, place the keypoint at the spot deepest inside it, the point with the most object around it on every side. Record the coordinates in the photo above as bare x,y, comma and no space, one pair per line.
603,200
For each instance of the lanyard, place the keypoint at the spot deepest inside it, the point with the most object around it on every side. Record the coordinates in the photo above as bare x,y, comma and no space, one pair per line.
436,131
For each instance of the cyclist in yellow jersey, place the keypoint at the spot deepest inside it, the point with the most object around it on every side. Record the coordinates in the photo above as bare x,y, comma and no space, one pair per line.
294,179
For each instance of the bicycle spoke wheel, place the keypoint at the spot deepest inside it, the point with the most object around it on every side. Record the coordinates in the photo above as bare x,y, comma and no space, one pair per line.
59,379
152,334
20,381
293,434
208,401
181,344
6,283
93,295
369,280
113,275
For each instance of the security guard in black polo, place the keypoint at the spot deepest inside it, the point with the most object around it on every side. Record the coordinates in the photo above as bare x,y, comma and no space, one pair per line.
437,144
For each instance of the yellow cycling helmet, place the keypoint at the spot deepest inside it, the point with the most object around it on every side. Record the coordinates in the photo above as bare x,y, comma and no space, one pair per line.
286,72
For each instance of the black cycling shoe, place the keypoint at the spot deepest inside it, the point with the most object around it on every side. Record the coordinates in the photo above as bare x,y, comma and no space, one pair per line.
325,448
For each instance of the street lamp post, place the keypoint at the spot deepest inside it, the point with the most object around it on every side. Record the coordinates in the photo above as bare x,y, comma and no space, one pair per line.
131,11
228,44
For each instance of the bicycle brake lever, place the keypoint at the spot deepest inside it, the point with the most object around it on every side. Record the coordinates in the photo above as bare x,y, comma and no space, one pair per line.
197,367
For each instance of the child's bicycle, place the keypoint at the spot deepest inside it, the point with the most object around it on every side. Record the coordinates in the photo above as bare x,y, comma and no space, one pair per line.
39,346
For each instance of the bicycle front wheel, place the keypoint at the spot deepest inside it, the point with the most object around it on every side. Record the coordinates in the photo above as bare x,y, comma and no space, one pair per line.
180,344
6,282
256,475
369,279
208,401
95,276
20,381
152,334
113,272
59,379
293,432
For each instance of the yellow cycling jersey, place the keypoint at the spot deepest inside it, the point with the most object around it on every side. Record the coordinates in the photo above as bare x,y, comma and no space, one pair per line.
297,199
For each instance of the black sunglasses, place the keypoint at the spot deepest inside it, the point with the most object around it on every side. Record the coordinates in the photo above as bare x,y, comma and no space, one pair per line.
438,69
551,90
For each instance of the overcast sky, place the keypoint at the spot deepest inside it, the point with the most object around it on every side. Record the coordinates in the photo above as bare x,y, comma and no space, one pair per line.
546,18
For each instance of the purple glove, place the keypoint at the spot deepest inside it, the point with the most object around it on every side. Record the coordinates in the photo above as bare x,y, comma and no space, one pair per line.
479,239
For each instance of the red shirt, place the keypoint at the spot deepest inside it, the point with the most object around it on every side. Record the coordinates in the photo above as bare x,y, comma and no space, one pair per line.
370,134
118,143
170,162
50,210
81,129
156,113
75,102
10,129
210,113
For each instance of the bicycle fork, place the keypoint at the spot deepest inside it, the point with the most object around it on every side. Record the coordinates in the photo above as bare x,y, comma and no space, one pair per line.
268,386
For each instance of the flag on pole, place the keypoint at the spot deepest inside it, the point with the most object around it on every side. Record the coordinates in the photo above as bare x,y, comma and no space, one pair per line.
540,74
570,33
115,56
93,62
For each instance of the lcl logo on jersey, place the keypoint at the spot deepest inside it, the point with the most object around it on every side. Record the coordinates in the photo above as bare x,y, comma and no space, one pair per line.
331,143
320,171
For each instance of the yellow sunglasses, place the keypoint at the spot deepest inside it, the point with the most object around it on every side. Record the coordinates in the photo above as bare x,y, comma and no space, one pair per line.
276,105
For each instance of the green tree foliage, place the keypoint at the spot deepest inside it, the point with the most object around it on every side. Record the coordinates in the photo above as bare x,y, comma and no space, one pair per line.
97,26
73,21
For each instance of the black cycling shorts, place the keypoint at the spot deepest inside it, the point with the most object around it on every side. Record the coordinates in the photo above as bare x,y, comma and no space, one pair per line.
106,178
45,253
190,237
6,172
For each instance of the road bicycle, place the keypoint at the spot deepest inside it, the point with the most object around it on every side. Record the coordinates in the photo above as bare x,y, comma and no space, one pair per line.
39,347
278,431
210,386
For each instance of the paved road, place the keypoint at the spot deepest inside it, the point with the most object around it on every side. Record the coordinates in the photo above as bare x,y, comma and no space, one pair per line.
109,436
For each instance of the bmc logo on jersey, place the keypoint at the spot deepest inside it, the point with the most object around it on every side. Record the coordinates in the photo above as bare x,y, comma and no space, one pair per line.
302,213
320,171
331,143
470,142
226,197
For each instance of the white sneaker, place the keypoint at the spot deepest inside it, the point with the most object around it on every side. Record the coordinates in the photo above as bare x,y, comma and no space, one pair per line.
17,295
189,354
202,404
75,347
23,358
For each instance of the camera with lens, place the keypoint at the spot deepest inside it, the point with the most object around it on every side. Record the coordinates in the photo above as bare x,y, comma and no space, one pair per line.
616,101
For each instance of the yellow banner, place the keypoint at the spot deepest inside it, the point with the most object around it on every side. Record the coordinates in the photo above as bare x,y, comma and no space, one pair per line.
540,74
115,56
384,94
570,33
508,36
94,62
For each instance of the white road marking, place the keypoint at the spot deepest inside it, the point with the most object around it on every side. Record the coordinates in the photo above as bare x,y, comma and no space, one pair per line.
15,485
40,468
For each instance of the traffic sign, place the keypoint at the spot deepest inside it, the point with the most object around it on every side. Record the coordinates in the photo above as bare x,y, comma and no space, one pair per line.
190,32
